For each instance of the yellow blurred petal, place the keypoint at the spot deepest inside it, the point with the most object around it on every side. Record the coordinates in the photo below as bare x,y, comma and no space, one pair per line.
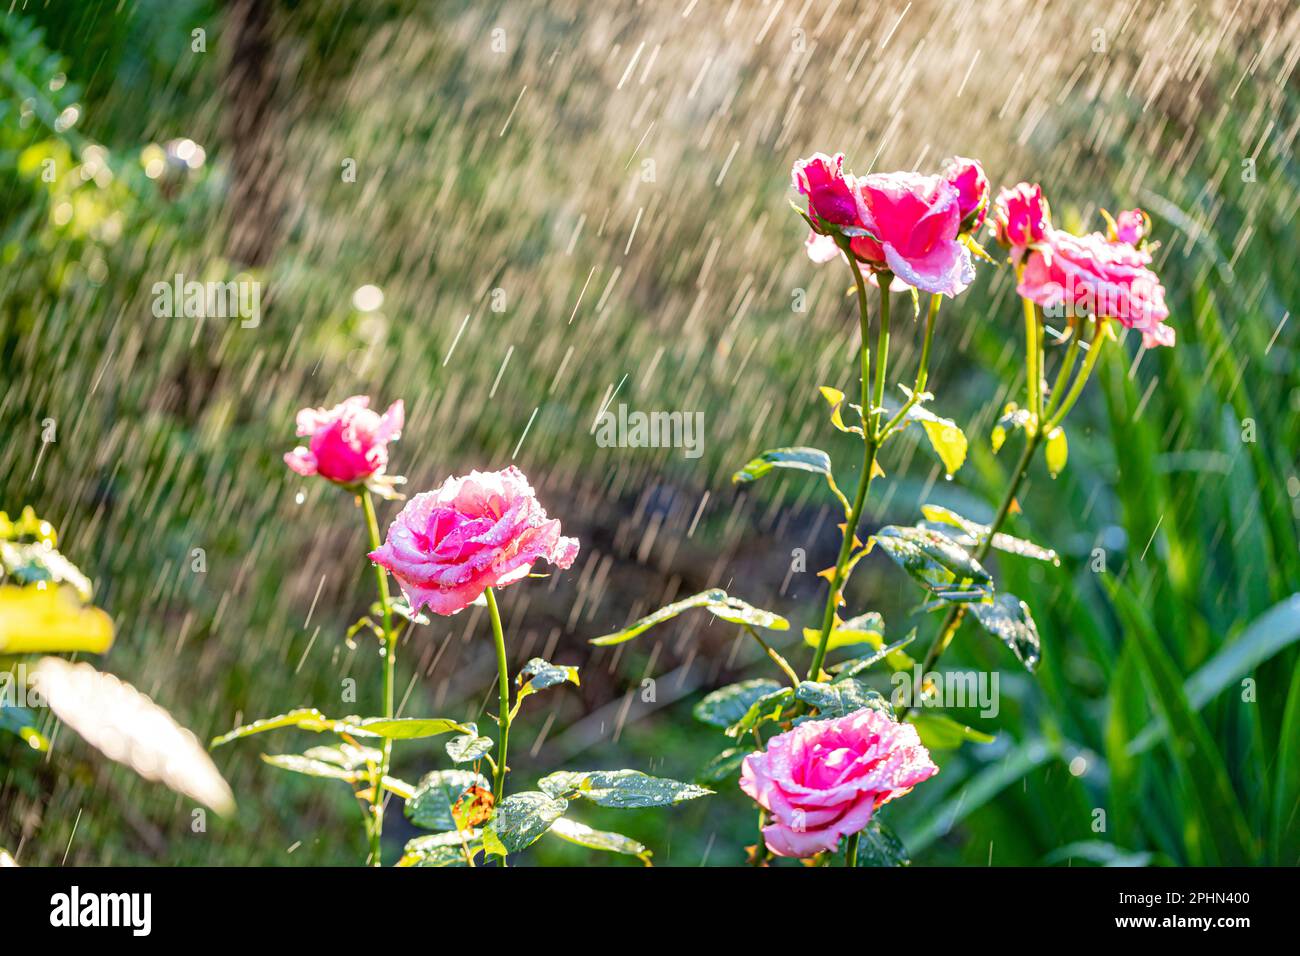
50,619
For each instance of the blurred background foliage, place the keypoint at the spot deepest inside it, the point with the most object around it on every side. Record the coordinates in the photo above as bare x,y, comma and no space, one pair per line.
567,204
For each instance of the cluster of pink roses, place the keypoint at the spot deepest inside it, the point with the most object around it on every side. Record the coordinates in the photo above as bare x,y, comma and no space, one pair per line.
918,228
448,546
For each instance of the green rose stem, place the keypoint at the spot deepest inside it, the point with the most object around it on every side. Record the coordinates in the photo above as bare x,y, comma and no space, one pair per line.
503,691
390,658
1033,440
871,441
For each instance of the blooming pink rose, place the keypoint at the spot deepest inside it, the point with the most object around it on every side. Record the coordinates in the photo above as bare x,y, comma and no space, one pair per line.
485,530
1092,275
821,180
1132,227
967,177
349,442
1020,216
912,222
825,778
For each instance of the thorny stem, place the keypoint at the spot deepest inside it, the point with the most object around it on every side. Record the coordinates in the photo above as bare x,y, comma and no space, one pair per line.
922,372
503,694
390,658
871,444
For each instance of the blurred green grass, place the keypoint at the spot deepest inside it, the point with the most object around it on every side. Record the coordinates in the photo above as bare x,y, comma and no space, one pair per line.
681,291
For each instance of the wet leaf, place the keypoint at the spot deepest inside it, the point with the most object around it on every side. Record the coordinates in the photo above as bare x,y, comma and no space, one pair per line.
345,755
974,534
583,835
410,728
835,398
801,459
724,765
300,763
765,709
442,849
891,653
726,705
716,600
1008,619
943,566
436,795
878,845
841,698
469,747
946,438
542,674
623,789
522,818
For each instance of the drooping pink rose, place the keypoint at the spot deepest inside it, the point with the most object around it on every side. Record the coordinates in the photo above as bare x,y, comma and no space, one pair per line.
348,443
967,177
446,547
1091,275
825,778
821,180
1132,227
1020,216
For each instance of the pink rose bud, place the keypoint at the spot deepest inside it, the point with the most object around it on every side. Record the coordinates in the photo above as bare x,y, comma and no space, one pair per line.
485,530
1132,227
825,778
348,443
1093,276
912,223
1020,216
967,177
821,180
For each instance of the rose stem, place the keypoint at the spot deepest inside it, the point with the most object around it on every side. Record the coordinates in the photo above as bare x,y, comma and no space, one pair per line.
390,658
871,443
503,691
851,854
1035,437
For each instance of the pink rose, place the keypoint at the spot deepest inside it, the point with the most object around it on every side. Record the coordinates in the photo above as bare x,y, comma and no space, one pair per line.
825,778
1020,216
349,442
485,530
1132,227
1092,275
821,180
912,222
967,177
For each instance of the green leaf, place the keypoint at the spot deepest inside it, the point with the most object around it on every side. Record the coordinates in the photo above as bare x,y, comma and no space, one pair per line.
623,789
1013,417
801,459
940,732
1057,451
468,747
1286,785
348,756
947,569
437,794
716,600
542,674
583,835
946,438
892,653
442,849
724,765
866,628
845,696
304,718
766,708
726,705
975,534
300,763
410,728
1008,619
880,846
21,722
522,818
